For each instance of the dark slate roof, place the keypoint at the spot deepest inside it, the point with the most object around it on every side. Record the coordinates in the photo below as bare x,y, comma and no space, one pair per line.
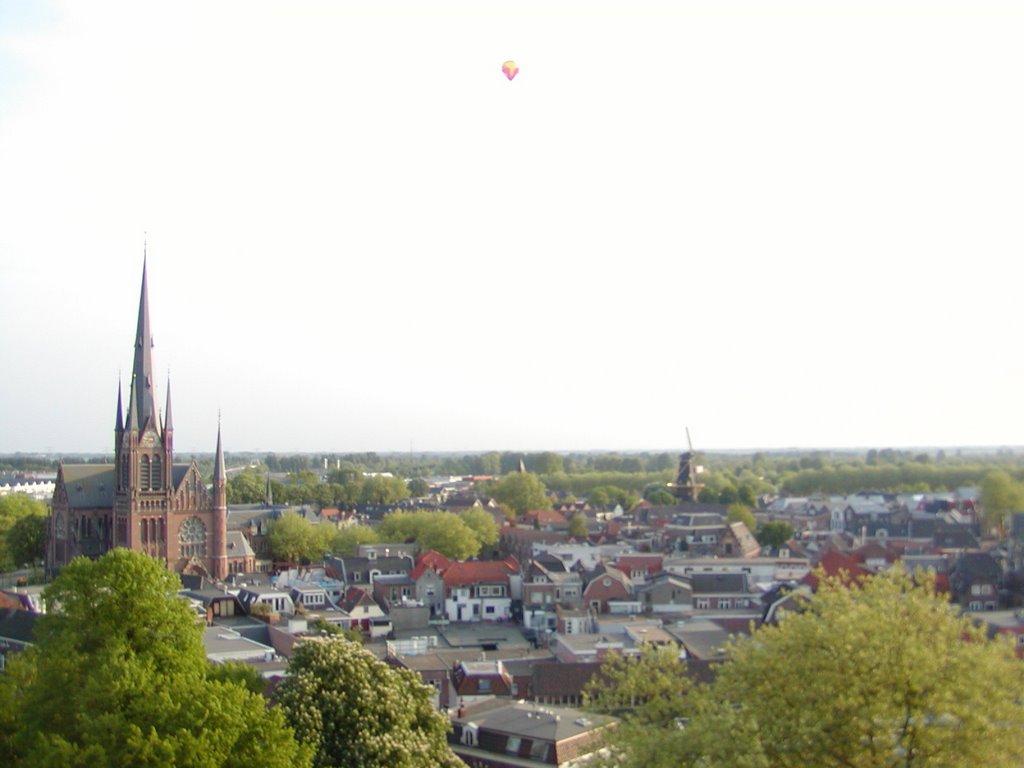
716,583
18,625
89,486
178,473
974,567
562,679
954,537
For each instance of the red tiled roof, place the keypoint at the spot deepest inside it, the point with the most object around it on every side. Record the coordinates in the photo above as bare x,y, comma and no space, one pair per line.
834,563
462,574
430,559
545,517
629,563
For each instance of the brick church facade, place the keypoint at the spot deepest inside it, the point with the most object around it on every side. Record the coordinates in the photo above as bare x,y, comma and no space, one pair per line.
143,501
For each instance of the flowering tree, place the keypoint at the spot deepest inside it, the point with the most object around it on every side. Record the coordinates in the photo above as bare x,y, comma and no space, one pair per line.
360,713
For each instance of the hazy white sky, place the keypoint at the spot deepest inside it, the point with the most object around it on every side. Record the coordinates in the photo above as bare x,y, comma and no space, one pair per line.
779,223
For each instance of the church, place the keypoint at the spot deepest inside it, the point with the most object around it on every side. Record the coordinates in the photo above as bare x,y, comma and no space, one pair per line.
143,501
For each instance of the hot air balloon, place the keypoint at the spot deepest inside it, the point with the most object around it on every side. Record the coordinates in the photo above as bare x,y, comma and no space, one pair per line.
510,68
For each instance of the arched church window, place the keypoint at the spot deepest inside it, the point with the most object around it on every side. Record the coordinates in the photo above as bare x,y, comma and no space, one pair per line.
144,473
192,538
124,471
58,526
157,474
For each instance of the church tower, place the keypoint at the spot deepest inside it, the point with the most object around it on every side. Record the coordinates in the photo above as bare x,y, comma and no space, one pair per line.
161,509
143,501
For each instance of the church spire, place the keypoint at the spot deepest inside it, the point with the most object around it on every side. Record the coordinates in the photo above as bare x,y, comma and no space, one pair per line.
142,406
168,420
220,474
119,424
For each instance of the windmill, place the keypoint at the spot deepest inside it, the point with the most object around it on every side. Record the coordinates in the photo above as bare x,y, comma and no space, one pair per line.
687,486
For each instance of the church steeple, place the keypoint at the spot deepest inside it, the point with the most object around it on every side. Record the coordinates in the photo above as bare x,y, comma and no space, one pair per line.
168,420
220,512
119,424
220,475
142,406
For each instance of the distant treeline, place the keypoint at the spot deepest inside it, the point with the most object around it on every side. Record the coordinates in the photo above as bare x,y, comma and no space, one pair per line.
728,478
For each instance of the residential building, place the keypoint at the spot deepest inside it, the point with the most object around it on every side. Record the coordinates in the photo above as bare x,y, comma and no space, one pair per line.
522,734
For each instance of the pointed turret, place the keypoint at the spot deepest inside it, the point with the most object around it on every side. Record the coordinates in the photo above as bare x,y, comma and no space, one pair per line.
119,439
119,423
168,419
268,499
142,407
133,412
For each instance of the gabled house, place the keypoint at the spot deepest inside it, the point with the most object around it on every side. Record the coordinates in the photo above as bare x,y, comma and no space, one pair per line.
547,585
481,678
738,541
429,581
722,592
544,586
546,519
604,585
975,580
366,615
640,567
665,593
481,590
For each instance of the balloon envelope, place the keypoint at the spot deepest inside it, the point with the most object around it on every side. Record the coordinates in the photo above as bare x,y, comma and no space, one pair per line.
510,68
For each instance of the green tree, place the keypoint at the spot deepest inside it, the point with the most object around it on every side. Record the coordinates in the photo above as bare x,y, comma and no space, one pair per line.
293,538
578,526
348,539
249,487
881,675
21,541
358,712
547,463
444,531
418,487
1001,496
290,537
647,690
520,492
482,523
774,534
660,497
119,677
740,513
239,673
26,540
383,491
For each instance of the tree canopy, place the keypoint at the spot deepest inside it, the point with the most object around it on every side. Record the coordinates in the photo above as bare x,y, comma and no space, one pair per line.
884,674
446,532
520,492
359,712
22,530
119,677
1001,496
293,538
774,534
